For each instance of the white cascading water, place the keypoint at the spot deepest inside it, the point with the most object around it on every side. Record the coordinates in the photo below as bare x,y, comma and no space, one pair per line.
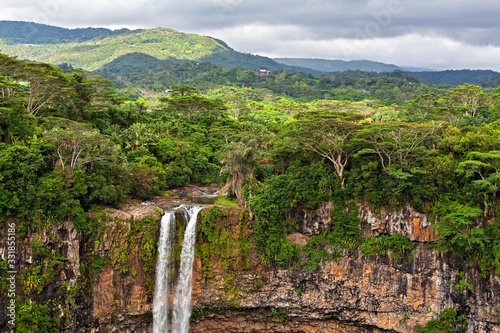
160,300
182,297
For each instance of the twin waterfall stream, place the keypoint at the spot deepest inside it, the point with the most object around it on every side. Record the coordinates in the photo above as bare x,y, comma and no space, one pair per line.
181,307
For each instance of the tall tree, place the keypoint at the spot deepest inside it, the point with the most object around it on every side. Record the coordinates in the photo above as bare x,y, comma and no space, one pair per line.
397,144
483,168
46,85
195,108
330,134
468,98
78,144
139,134
91,93
6,88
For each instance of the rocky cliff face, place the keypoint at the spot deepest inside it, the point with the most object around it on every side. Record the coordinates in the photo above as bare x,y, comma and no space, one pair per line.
407,222
353,294
122,290
59,266
49,269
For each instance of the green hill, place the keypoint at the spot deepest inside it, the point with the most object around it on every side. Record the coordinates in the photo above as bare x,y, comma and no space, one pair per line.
328,66
160,43
94,49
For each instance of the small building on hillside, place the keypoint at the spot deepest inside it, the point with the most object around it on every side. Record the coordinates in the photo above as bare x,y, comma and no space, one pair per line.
264,72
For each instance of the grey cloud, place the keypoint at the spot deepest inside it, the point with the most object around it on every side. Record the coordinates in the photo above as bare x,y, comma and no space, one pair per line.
468,21
283,24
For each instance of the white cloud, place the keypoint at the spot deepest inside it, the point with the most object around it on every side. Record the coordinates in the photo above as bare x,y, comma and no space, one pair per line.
431,51
426,33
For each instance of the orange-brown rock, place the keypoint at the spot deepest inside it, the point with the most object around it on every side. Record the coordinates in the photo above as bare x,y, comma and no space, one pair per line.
120,289
265,321
354,294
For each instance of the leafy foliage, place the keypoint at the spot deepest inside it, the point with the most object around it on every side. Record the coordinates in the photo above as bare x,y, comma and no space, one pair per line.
448,322
229,247
344,237
457,230
394,245
33,317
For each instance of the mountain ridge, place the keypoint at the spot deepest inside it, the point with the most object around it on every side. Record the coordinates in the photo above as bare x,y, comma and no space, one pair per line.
451,77
93,49
143,50
455,77
24,32
337,65
91,54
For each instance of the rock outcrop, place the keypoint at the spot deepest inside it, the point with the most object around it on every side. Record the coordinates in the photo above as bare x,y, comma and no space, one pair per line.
55,253
407,222
353,294
314,222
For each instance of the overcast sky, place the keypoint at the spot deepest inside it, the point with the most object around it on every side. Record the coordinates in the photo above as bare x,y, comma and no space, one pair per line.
438,34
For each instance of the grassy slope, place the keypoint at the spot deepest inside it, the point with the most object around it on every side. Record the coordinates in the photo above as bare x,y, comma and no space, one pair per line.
161,43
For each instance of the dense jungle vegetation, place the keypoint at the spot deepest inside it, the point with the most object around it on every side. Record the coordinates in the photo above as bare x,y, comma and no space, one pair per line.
71,142
393,87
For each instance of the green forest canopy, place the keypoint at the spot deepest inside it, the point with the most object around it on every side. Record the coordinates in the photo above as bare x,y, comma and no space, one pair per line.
70,142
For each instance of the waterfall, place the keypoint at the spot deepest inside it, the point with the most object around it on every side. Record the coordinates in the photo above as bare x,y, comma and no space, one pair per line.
160,300
182,298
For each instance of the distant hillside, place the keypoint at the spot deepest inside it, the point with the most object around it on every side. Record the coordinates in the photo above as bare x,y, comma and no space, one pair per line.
416,69
136,62
34,33
328,66
159,43
140,62
486,78
123,50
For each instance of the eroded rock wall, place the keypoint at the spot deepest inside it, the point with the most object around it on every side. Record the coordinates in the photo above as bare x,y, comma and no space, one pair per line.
366,293
355,293
55,253
123,288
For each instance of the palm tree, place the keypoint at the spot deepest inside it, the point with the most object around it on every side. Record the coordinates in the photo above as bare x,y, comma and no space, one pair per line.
239,161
